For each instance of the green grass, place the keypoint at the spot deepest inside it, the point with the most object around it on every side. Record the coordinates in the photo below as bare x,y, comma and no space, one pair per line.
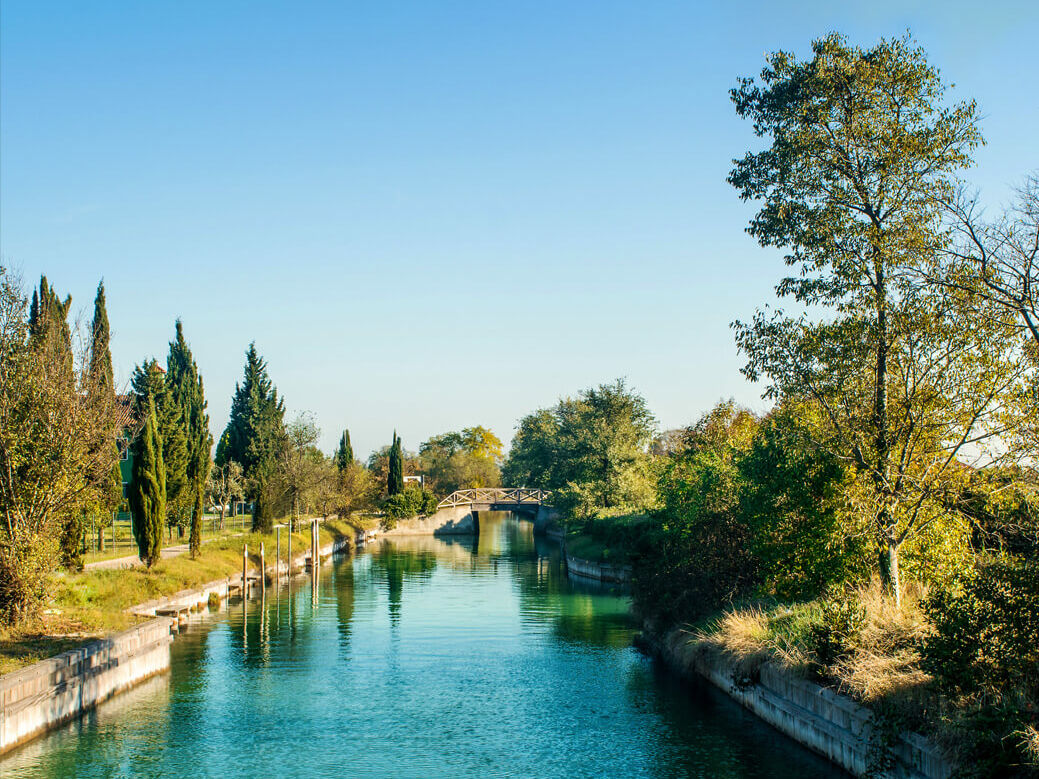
588,548
91,604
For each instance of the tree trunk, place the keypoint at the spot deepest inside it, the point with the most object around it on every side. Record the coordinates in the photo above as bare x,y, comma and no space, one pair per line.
895,582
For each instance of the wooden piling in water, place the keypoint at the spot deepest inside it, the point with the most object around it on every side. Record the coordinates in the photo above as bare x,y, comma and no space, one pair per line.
263,571
245,563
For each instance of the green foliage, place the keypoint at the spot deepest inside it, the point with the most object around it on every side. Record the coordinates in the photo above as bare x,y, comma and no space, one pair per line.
749,507
984,654
184,385
100,370
395,475
841,621
410,502
344,456
794,500
56,431
148,489
702,558
461,460
263,509
986,630
150,383
591,450
255,432
861,152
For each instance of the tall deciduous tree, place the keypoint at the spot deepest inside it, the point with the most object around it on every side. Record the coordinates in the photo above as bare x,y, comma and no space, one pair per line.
592,448
50,460
148,488
861,152
50,333
395,477
300,461
255,434
462,460
184,384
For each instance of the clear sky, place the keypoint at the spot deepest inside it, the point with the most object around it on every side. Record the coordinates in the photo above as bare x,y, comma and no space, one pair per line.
430,215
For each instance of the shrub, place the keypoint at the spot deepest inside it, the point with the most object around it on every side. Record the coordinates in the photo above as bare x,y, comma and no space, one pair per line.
986,631
409,503
984,653
841,622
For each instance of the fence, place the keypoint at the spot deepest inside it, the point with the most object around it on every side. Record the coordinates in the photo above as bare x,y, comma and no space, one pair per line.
118,532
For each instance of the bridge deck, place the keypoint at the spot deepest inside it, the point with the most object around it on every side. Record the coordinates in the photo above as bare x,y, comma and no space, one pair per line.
496,496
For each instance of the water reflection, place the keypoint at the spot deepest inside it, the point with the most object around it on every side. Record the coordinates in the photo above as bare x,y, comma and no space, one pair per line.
423,657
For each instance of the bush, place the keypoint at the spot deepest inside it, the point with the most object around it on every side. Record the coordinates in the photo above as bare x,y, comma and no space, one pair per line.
410,503
840,624
984,653
986,631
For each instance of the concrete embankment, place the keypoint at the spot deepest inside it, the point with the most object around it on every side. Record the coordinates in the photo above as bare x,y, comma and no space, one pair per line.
54,691
457,520
47,694
463,520
603,572
826,722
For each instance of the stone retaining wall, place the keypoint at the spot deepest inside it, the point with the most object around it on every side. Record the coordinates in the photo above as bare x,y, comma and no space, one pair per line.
457,520
603,572
55,690
826,722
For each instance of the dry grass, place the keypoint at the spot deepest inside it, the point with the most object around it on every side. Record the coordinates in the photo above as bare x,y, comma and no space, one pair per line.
884,663
882,666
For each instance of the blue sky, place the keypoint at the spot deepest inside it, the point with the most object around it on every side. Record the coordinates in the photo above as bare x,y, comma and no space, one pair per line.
431,215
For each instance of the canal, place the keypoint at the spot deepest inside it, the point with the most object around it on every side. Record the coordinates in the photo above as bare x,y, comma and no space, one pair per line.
420,657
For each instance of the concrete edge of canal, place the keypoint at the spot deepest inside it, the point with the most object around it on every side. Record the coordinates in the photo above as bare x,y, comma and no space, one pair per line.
820,719
54,691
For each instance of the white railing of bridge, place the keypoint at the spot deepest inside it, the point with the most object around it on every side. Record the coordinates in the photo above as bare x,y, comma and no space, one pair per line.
515,495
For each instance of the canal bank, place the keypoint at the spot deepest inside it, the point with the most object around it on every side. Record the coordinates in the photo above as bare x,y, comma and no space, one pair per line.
828,723
420,657
59,689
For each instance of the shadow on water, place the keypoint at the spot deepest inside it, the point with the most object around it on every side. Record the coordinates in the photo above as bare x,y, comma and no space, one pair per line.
421,657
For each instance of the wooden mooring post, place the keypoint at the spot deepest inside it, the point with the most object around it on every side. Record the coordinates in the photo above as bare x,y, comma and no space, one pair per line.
277,560
263,571
245,563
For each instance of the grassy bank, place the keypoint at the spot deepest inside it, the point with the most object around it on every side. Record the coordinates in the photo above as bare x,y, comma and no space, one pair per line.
608,539
862,646
87,605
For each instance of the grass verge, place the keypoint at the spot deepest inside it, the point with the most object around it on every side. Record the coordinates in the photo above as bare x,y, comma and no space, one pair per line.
90,604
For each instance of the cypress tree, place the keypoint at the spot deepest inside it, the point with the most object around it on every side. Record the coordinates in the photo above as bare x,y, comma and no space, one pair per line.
395,480
101,376
150,382
185,386
148,489
345,453
102,384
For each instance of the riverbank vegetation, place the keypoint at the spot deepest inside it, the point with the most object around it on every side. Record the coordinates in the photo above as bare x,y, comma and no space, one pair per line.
878,528
74,453
84,605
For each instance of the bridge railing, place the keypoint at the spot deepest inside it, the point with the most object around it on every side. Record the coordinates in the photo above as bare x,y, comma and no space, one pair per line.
514,495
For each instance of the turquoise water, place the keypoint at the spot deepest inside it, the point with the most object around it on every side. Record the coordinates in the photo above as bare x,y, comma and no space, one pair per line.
420,657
